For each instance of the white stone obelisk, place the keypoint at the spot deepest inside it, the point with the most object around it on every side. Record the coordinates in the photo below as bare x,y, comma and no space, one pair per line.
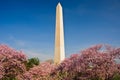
59,54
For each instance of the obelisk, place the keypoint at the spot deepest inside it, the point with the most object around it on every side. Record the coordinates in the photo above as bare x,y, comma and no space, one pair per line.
59,54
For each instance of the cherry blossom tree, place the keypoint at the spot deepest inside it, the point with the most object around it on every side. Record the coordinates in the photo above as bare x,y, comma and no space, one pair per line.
95,63
11,62
40,72
90,64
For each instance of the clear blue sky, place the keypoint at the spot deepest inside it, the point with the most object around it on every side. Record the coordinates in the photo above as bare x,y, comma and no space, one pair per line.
29,25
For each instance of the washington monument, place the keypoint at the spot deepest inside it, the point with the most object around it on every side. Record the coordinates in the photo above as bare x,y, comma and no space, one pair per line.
59,54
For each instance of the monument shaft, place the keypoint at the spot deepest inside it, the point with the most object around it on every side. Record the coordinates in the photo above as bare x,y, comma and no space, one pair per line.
59,36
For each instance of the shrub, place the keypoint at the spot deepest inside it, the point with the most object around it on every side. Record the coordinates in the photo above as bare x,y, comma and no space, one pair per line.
32,62
116,77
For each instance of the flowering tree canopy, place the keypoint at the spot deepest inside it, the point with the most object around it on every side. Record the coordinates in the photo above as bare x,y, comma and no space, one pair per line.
40,72
90,64
11,62
94,63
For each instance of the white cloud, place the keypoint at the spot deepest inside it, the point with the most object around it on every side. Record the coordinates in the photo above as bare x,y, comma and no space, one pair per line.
16,41
29,50
38,54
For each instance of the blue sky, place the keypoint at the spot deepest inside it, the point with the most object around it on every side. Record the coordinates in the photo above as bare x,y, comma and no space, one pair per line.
29,25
